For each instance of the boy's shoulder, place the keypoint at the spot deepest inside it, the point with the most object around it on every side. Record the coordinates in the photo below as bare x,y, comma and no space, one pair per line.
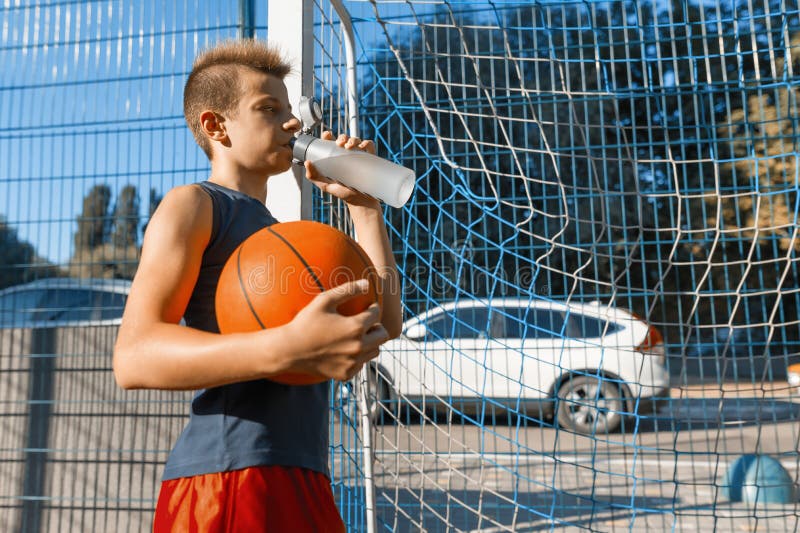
186,193
187,206
189,199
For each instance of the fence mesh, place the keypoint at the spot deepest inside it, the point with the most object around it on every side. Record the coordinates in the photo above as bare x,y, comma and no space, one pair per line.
599,263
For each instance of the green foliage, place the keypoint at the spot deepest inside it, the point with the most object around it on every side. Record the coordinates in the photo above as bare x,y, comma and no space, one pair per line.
18,260
126,218
107,242
93,222
582,143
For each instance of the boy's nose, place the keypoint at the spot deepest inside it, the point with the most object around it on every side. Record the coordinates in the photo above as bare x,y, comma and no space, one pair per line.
293,124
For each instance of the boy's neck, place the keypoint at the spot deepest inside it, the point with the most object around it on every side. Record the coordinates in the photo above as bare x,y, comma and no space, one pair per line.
254,185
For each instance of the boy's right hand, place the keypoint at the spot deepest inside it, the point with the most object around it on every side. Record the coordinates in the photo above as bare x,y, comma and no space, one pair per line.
332,345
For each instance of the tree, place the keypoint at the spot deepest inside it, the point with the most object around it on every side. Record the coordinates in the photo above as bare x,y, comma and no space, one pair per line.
126,218
93,222
573,146
759,144
107,243
18,260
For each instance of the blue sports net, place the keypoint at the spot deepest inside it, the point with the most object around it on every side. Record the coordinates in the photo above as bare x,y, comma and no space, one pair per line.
578,161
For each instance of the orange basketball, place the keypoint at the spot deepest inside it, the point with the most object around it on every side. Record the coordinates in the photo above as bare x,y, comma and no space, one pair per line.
278,270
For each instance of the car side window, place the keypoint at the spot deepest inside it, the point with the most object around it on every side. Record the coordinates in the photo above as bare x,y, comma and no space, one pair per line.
439,326
73,305
59,305
67,305
497,323
472,323
581,326
514,318
468,323
533,323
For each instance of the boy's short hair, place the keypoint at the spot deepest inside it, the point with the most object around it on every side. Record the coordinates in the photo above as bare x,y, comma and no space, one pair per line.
215,83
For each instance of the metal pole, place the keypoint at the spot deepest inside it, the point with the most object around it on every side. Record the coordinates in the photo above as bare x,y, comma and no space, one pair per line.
350,64
246,16
40,399
291,27
362,381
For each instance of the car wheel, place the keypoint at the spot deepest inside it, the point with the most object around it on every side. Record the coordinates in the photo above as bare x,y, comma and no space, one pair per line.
379,404
589,405
382,410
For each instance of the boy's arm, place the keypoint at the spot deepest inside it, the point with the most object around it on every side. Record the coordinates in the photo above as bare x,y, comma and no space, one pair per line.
153,351
367,217
374,239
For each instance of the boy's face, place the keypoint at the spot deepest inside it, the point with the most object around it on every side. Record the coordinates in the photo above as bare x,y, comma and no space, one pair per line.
258,135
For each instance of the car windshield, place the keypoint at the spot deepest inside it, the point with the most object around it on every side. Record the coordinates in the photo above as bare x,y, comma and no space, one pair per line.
62,305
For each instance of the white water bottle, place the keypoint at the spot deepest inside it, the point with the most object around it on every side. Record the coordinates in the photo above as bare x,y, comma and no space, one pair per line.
362,171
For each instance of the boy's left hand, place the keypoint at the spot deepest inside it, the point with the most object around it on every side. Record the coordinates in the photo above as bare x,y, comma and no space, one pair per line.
334,188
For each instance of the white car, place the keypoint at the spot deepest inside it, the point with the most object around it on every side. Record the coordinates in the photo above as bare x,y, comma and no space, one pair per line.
586,365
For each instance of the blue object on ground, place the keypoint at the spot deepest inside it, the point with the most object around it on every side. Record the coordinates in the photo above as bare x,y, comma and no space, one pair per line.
758,479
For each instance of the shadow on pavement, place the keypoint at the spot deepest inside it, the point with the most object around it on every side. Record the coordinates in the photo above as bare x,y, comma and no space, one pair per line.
404,510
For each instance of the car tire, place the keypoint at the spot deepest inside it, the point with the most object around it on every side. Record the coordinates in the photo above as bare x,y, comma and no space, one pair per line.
379,399
589,405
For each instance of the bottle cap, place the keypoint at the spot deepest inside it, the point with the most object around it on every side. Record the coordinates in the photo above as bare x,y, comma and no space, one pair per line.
300,146
310,113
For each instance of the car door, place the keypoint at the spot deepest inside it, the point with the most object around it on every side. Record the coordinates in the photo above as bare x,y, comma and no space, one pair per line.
419,365
471,352
504,358
451,354
536,345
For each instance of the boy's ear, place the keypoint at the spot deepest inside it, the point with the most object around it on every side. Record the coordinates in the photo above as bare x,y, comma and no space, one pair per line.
213,125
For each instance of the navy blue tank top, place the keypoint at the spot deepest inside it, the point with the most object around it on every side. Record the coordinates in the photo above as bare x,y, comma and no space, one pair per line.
252,423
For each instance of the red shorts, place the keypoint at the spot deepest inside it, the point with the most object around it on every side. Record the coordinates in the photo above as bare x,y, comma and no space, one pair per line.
253,500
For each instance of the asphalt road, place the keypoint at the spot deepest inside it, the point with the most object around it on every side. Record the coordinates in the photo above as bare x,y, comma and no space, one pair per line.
662,473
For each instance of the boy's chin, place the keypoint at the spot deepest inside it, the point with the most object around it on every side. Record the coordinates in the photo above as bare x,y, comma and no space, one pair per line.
279,168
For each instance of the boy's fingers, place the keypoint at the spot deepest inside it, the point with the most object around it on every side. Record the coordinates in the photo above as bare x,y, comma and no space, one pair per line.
375,336
352,141
370,316
313,174
341,293
346,141
368,146
372,354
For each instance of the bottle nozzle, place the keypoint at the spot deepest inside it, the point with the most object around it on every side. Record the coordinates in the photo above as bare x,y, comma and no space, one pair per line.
300,145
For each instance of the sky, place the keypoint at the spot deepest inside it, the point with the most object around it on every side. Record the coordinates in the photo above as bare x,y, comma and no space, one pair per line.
91,93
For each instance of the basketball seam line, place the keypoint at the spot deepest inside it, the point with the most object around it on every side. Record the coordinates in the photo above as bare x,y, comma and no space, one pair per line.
300,257
244,289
